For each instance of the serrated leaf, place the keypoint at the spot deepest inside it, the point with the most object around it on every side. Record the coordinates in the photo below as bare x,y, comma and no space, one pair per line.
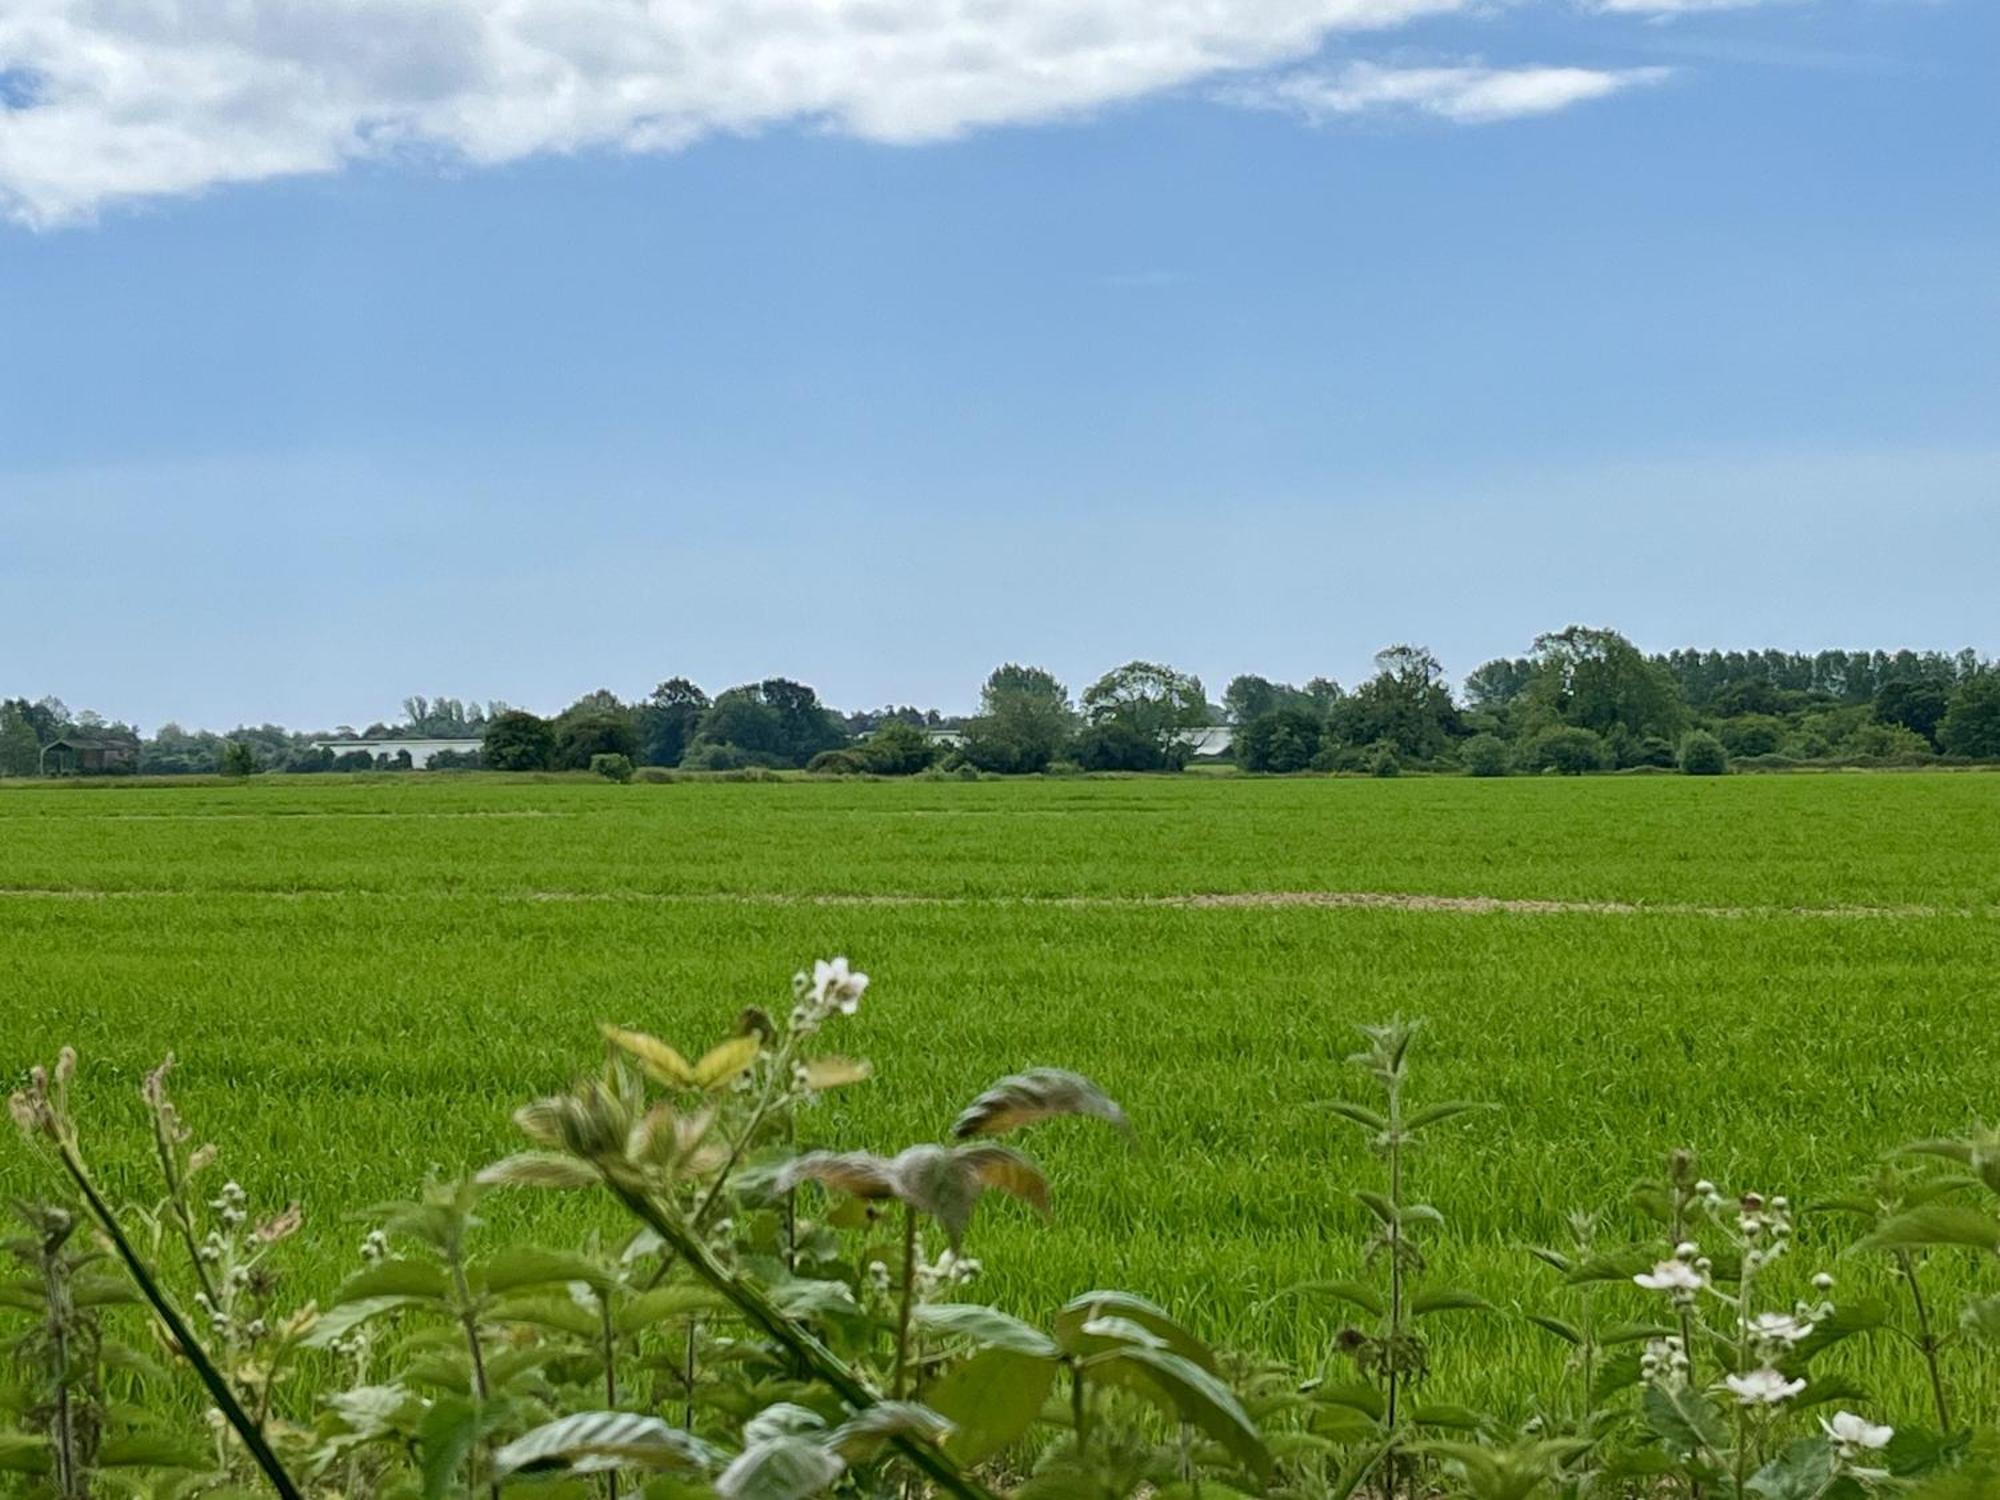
784,1468
1358,1114
1037,1095
102,1291
1078,1311
539,1169
664,1303
338,1322
1446,1414
719,1065
594,1441
1936,1224
420,1280
1685,1420
836,1072
782,1419
1567,1332
526,1266
557,1310
1197,1397
1438,1113
1802,1472
1424,1303
663,1064
1002,1169
986,1326
1354,1396
1615,1265
447,1434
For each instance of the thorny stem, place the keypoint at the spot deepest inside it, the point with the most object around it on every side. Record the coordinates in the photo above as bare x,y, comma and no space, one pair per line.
1927,1339
798,1340
69,1482
688,1373
468,1317
909,1290
211,1378
610,1335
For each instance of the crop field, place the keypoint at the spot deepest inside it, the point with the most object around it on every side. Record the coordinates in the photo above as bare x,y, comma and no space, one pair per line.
361,978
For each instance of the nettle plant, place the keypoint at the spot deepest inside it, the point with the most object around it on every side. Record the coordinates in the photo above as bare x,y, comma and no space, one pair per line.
779,1322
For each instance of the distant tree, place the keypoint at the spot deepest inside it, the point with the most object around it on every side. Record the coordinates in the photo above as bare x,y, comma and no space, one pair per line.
238,759
582,737
1753,734
1752,695
1971,726
20,751
1702,754
612,767
1324,694
1593,679
896,748
454,760
1150,703
1383,760
1498,682
773,722
441,718
1485,755
1405,704
1249,697
1024,723
1915,703
517,740
1569,751
354,760
1117,745
1279,740
668,720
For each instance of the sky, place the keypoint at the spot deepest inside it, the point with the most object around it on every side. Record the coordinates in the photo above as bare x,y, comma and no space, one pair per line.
351,349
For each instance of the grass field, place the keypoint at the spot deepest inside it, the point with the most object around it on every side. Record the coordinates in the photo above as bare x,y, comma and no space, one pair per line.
362,977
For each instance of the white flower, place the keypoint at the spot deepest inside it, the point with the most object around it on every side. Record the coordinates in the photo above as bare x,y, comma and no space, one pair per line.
1670,1276
1823,1281
1763,1387
1856,1435
836,987
1779,1328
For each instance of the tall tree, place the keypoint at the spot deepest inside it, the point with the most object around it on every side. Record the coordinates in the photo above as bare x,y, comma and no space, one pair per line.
1596,680
1405,703
1024,722
668,720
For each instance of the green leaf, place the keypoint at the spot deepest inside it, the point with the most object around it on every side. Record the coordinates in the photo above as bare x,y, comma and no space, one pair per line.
987,1326
448,1432
555,1310
1936,1224
1685,1420
1438,1113
1427,1302
414,1279
664,1303
102,1291
1359,1114
719,1065
663,1064
784,1468
1802,1472
593,1441
1341,1424
1568,1333
1354,1293
1155,1320
23,1453
1616,1265
990,1400
338,1322
539,1169
1196,1396
1848,1319
1378,1205
1354,1396
862,1435
782,1419
524,1266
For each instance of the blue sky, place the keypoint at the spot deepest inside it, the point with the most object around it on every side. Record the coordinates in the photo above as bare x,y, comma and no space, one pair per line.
337,364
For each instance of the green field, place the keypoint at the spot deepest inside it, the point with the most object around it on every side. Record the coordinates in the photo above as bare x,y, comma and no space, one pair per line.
362,977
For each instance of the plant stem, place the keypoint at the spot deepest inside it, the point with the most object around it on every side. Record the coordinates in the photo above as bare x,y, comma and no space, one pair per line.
183,1220
468,1317
610,1334
901,1386
211,1378
1395,1350
1927,1339
797,1340
56,1284
1079,1408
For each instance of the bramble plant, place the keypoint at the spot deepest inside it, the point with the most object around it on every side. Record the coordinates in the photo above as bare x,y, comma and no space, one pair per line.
779,1322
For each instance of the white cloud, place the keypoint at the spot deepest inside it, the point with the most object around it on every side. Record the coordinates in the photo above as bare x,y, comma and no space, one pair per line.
130,98
1467,94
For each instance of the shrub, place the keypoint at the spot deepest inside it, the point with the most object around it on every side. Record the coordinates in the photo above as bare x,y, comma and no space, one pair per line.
238,759
1652,751
837,763
805,1320
612,767
1754,734
1702,754
1115,745
518,741
581,738
716,757
354,760
453,760
1567,752
1485,755
897,748
1384,761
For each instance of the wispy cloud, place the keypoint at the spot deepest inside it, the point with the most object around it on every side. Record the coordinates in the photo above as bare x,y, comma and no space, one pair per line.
1664,8
137,100
1466,94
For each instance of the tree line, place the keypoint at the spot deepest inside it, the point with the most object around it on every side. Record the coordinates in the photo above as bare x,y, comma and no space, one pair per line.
1581,699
